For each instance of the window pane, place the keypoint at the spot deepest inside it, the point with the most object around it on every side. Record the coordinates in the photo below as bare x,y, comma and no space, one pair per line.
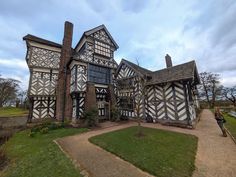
99,74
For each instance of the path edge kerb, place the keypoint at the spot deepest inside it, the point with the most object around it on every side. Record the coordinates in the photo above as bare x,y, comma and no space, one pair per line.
77,165
232,137
83,171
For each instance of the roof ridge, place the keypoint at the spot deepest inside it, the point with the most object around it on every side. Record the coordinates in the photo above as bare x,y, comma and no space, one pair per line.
192,61
99,26
137,65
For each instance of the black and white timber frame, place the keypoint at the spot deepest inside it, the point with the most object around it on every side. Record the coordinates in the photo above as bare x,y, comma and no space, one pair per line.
172,101
169,97
43,62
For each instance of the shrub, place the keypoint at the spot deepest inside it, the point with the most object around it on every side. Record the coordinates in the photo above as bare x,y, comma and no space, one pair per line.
53,126
123,117
44,130
115,113
32,134
90,116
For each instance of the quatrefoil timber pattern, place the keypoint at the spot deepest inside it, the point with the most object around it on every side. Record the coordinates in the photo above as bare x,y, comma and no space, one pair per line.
43,107
166,102
44,58
43,83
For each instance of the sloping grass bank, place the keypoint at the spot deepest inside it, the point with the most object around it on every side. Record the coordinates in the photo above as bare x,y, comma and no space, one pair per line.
12,112
230,124
39,156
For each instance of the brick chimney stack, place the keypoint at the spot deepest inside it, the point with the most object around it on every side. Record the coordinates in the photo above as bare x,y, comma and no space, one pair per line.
64,102
168,61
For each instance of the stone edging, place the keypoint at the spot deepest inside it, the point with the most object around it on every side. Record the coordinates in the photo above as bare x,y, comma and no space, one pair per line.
230,135
82,170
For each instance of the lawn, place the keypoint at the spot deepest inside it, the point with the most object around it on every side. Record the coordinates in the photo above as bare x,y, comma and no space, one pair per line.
39,156
161,153
230,124
12,112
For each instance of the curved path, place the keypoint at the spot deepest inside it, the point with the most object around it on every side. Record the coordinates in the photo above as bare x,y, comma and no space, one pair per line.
216,155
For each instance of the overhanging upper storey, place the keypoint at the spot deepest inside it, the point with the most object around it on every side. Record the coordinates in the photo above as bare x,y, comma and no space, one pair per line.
42,53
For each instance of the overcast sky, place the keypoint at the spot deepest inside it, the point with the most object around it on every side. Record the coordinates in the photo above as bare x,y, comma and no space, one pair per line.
199,30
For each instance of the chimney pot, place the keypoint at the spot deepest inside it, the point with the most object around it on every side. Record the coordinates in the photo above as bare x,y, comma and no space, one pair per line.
168,61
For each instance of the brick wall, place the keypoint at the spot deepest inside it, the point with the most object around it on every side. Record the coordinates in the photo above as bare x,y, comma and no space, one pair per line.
64,102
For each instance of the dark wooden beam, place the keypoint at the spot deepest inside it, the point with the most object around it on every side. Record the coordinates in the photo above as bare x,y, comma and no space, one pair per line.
186,102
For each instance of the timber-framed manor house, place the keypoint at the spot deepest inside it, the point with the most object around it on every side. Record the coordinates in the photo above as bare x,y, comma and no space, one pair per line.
65,82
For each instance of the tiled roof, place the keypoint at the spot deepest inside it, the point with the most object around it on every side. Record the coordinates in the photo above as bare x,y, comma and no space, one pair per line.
179,72
138,68
30,37
175,73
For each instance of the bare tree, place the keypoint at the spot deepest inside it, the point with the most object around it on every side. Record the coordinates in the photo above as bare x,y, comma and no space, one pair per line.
139,101
139,98
230,94
210,88
22,98
8,90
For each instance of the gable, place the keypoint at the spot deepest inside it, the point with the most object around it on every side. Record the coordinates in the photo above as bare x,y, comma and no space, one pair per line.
101,33
125,71
128,69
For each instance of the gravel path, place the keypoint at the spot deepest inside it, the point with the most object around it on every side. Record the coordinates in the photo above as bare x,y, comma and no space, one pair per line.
216,155
93,160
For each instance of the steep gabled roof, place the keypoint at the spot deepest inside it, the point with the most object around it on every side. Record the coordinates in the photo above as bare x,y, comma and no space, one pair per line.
183,71
179,72
93,30
30,37
140,70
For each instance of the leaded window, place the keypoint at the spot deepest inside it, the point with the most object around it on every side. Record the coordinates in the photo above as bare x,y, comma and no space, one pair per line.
127,103
102,49
98,74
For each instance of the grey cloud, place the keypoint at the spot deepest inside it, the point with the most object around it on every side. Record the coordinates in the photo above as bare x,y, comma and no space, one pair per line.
26,8
215,26
134,5
208,14
224,33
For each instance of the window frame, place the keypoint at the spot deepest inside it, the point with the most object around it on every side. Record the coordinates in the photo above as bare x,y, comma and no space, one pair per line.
102,49
99,74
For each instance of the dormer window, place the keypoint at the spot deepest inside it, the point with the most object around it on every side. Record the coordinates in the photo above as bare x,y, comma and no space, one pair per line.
102,49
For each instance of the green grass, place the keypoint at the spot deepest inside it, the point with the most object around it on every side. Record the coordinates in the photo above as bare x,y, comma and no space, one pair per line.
230,124
161,153
12,112
39,156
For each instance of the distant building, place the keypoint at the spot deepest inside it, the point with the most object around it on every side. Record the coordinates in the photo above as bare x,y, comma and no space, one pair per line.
66,81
